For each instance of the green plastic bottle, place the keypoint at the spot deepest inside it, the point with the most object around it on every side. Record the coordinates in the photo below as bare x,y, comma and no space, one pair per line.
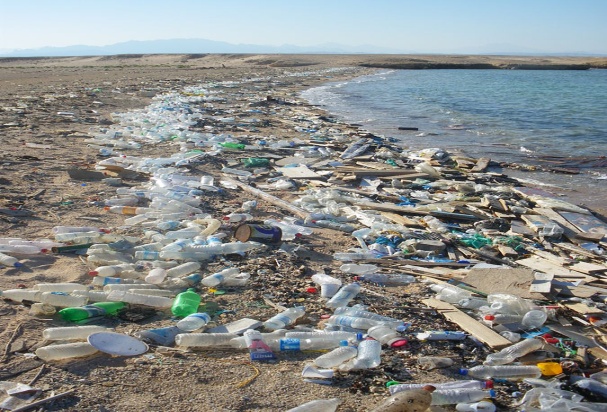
90,311
256,162
232,145
186,303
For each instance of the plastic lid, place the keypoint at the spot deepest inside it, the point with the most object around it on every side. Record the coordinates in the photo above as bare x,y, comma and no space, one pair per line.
463,371
357,278
489,317
117,344
343,343
492,393
17,264
93,273
488,384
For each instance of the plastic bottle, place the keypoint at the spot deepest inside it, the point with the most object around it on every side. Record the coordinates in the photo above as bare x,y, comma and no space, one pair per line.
160,336
272,339
386,335
387,279
459,395
237,217
160,302
337,356
506,303
148,255
258,349
59,287
534,319
285,318
90,311
312,343
318,405
482,406
156,276
358,269
72,229
359,312
511,353
449,293
62,300
204,340
186,303
592,387
65,351
472,384
183,269
328,284
511,336
434,362
353,321
219,277
71,332
110,287
128,210
344,227
7,260
22,249
349,256
503,318
193,322
503,371
414,400
344,296
368,356
112,270
336,336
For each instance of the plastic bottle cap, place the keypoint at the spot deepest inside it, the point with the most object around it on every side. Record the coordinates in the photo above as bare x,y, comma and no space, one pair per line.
489,317
311,290
463,371
356,278
488,384
492,393
93,273
399,343
18,264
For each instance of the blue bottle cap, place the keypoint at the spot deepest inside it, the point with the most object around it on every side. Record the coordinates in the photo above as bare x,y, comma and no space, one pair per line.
463,371
343,343
492,393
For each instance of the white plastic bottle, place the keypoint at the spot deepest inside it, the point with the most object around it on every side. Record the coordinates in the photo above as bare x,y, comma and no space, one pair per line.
71,332
284,318
318,405
344,296
204,340
472,384
218,278
65,351
352,321
7,260
386,279
113,270
63,300
156,276
368,356
160,302
60,287
358,269
449,293
183,269
193,322
482,406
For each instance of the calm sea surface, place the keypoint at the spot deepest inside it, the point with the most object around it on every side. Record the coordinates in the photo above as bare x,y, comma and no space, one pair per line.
550,118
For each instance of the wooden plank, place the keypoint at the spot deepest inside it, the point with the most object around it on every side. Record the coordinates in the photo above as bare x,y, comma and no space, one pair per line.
517,227
582,267
401,220
542,283
570,231
298,172
481,332
384,207
546,266
586,223
507,251
481,165
583,309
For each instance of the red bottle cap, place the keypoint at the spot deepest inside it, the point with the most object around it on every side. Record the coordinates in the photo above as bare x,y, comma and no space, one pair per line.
489,317
311,290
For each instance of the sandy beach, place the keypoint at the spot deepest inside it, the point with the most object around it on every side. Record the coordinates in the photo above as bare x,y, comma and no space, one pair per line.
50,106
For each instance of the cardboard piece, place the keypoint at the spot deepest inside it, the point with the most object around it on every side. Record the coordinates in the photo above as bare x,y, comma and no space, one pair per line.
493,280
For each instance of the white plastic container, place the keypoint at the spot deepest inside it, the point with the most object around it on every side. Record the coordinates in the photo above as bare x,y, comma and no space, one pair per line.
65,351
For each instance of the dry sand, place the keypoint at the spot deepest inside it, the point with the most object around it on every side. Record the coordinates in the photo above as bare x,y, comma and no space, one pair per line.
40,145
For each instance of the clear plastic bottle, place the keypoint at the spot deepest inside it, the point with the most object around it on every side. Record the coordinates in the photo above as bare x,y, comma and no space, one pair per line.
328,284
160,336
386,279
75,236
460,395
506,303
204,340
449,293
503,318
285,318
193,322
344,227
127,286
156,276
511,353
71,332
65,351
312,343
344,296
353,321
219,277
237,217
22,249
358,269
183,269
337,336
471,384
434,362
72,229
387,335
368,356
534,319
359,312
511,336
148,255
503,371
7,260
112,270
337,356
271,339
350,256
318,405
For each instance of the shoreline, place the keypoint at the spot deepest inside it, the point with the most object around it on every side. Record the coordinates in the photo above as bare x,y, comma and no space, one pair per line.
48,114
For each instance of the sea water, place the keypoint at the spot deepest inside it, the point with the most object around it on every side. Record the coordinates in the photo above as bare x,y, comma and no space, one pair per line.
555,120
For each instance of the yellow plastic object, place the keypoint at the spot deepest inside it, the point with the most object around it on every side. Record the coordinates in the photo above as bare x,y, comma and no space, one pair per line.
550,368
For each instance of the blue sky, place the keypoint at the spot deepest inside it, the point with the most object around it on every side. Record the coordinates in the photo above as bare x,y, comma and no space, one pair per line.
434,26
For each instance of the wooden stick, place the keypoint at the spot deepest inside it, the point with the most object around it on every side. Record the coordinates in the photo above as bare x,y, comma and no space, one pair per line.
11,340
43,401
269,198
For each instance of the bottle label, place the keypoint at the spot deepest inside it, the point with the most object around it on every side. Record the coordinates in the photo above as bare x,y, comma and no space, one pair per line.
93,311
289,344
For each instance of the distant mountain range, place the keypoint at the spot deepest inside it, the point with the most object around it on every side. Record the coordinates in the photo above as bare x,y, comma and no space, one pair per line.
194,46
